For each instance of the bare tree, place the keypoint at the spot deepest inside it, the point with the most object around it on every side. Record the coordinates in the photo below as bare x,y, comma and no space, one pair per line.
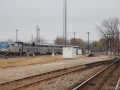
109,30
103,43
59,40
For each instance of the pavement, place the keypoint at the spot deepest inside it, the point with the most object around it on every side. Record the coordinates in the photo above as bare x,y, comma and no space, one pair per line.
21,72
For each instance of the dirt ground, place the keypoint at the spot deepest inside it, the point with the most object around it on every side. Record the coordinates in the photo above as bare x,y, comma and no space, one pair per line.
26,61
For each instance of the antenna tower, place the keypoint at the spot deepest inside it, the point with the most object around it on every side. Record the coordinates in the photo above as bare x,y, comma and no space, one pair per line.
64,22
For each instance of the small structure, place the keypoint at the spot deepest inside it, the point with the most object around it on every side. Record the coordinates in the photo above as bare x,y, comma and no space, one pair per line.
69,52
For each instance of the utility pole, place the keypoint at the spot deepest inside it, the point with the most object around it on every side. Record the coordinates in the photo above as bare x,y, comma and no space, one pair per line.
38,33
98,47
38,36
88,41
79,43
32,38
42,40
109,44
109,47
118,41
32,44
57,40
16,35
74,37
64,22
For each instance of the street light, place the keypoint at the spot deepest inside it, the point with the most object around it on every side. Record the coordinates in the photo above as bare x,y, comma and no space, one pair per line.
109,54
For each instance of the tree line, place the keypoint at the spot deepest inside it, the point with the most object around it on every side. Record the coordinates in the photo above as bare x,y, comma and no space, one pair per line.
109,38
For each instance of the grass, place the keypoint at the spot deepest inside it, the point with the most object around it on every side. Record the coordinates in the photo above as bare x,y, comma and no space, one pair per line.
19,62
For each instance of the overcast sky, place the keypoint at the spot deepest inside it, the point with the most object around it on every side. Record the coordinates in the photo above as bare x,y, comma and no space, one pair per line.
82,17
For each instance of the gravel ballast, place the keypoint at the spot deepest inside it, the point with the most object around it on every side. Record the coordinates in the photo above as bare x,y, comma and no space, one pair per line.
66,82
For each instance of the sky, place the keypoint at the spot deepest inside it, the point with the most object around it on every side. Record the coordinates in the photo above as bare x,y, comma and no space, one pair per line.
82,17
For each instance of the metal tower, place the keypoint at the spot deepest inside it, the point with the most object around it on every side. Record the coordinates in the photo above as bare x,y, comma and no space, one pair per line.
65,22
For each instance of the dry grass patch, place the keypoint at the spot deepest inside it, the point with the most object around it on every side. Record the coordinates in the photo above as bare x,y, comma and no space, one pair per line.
18,62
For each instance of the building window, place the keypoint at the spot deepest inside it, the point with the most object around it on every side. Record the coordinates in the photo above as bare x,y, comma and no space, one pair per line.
12,44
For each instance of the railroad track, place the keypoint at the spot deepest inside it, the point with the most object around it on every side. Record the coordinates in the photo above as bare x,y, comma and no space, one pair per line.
106,79
31,81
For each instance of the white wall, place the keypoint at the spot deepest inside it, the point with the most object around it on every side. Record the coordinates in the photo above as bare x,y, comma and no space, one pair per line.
69,52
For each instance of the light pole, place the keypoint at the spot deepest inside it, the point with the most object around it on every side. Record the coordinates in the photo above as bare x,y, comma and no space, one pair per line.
98,47
109,47
38,36
16,34
115,35
88,41
74,37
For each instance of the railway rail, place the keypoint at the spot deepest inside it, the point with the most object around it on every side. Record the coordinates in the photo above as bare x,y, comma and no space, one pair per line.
31,81
118,85
105,79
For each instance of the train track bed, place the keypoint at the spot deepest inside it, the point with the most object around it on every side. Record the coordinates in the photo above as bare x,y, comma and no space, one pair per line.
40,81
106,79
20,68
